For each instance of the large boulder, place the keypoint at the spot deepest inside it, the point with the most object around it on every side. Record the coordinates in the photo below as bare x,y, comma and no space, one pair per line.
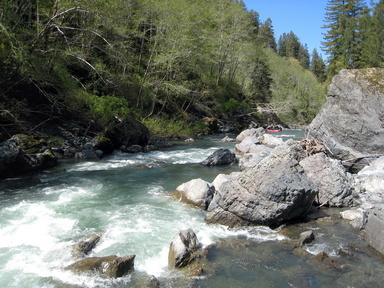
375,230
128,132
329,176
273,192
196,192
111,266
183,248
220,157
252,132
351,122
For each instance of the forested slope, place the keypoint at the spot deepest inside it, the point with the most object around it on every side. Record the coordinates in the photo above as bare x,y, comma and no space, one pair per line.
88,62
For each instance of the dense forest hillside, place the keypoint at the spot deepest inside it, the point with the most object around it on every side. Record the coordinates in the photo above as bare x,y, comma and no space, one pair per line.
167,63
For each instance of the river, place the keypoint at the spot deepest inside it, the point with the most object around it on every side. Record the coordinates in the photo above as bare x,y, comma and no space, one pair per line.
128,198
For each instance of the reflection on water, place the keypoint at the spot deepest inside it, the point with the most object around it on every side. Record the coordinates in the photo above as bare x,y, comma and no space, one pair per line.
129,199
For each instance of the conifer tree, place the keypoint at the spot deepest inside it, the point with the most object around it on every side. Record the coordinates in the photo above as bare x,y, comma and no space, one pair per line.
373,45
266,34
317,66
343,38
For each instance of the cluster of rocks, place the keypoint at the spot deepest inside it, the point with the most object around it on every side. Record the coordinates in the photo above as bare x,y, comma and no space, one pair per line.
279,182
27,153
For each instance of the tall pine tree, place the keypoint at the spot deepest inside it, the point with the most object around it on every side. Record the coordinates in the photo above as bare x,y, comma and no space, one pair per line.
373,45
343,38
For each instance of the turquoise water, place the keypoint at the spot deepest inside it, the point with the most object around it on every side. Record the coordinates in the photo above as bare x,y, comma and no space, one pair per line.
128,198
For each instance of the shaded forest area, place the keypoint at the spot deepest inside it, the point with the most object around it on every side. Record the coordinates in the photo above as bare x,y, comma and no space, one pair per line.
166,63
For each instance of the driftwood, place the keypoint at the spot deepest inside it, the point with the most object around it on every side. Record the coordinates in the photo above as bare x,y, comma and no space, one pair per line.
313,146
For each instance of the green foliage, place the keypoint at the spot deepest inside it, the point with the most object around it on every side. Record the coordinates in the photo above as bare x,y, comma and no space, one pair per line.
163,126
296,94
232,105
105,109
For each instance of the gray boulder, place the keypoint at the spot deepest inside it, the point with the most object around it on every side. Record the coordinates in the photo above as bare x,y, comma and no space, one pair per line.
249,160
329,176
220,157
182,250
252,132
375,230
271,140
111,266
220,179
306,237
273,192
249,144
351,122
196,192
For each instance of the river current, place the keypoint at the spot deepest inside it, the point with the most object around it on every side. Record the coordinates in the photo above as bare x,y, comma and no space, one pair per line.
128,198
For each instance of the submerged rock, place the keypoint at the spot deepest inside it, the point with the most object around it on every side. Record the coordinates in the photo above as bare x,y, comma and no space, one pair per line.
111,266
183,248
220,157
271,193
83,248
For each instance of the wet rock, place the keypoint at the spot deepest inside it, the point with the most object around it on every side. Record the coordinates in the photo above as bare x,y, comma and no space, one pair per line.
111,266
252,132
220,157
103,144
351,122
375,230
83,248
87,152
183,248
329,176
197,192
306,238
271,193
128,132
131,149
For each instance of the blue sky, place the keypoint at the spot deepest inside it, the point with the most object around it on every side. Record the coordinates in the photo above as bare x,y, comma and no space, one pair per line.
304,17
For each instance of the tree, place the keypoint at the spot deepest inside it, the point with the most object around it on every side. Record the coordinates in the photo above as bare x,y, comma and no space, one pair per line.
317,66
373,45
266,34
343,38
289,45
303,56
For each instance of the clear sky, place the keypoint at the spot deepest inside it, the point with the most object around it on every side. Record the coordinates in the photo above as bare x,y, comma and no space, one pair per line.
304,17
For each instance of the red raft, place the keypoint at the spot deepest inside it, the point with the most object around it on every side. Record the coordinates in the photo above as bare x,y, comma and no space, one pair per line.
274,129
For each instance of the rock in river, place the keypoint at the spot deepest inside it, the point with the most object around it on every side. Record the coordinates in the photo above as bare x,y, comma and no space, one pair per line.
220,157
196,192
182,249
273,192
111,266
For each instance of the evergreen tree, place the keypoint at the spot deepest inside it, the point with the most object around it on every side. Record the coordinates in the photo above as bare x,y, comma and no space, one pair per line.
303,56
289,45
343,38
266,34
373,45
317,66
